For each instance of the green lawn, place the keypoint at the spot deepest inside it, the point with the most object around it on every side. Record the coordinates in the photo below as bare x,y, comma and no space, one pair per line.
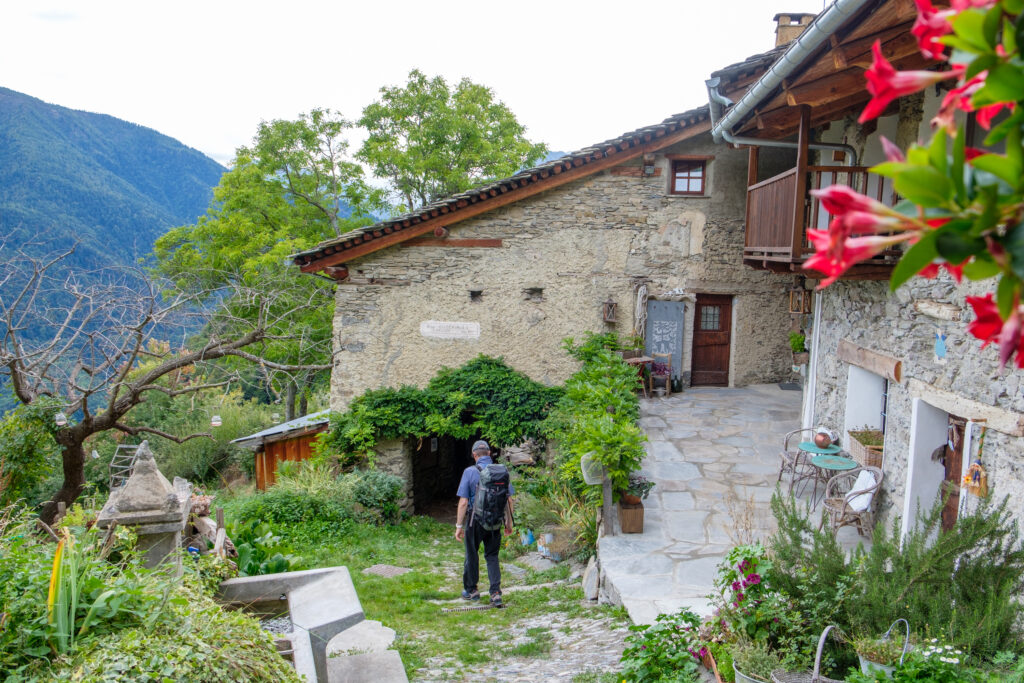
409,603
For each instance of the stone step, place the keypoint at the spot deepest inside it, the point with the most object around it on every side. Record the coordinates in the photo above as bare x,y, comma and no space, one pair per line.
374,667
365,637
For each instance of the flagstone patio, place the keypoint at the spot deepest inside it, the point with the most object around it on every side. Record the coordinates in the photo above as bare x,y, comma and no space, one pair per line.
713,453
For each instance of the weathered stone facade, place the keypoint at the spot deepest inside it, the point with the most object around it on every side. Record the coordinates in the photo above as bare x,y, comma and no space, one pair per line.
866,314
563,253
913,325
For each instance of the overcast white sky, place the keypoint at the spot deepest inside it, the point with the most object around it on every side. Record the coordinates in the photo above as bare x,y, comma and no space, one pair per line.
206,73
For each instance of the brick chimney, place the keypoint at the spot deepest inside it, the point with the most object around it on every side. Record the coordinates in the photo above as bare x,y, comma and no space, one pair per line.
789,27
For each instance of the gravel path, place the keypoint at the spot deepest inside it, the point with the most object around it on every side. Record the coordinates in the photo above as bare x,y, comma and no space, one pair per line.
578,645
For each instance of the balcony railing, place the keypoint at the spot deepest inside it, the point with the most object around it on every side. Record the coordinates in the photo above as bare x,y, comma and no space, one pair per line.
777,219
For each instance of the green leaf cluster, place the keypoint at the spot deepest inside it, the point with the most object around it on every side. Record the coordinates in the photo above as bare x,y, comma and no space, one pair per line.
431,140
598,414
484,397
27,450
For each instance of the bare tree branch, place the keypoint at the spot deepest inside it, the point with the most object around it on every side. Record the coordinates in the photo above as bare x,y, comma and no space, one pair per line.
135,431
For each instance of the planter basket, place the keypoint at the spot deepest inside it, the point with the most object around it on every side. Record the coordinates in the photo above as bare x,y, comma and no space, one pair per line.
631,518
807,676
866,456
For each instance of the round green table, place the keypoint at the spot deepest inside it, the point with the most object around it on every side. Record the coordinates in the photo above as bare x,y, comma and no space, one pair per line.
826,467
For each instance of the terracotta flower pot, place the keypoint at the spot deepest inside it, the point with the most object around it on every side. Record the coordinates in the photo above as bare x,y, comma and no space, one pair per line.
630,499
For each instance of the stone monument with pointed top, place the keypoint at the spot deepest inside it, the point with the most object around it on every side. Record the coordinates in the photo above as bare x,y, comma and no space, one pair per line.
153,507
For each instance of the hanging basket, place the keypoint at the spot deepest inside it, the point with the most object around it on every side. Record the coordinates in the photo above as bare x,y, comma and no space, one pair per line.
593,471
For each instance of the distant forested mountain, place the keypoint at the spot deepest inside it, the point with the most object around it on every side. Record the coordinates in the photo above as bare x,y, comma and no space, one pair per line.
111,185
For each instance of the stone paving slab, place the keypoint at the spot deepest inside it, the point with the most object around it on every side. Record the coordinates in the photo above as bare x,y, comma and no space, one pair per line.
712,453
707,446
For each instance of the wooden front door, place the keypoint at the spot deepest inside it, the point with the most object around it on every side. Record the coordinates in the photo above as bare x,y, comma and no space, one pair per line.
953,463
712,324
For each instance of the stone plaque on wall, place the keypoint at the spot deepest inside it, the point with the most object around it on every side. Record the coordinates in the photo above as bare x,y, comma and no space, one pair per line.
439,329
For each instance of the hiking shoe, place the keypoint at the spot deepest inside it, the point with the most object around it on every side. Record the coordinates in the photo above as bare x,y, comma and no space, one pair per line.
470,595
496,600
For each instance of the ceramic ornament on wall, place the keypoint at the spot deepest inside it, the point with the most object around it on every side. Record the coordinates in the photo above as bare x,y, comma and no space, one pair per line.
940,346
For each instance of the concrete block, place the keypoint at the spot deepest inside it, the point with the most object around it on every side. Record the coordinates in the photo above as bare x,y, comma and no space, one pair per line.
364,637
376,667
590,580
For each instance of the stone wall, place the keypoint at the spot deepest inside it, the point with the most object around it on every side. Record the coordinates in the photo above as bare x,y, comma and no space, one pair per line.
394,456
563,253
903,325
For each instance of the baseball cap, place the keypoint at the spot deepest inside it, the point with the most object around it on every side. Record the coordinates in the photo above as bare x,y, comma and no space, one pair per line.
481,446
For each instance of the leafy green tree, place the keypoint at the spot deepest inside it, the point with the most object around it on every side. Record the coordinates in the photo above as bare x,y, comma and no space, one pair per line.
292,188
27,450
430,140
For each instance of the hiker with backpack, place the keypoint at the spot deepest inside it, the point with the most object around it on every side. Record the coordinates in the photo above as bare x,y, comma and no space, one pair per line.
485,506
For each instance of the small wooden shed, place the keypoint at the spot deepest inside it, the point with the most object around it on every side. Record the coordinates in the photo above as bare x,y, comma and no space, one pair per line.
287,441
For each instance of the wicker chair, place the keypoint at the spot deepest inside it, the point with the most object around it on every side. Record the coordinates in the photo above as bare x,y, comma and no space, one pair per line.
780,676
792,459
850,499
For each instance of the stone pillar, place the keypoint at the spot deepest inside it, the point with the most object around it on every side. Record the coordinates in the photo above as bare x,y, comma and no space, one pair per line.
154,508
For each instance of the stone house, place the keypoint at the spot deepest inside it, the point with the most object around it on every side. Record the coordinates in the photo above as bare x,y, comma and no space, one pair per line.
512,268
651,221
900,362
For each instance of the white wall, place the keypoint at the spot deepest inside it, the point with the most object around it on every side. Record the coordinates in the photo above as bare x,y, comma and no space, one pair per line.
864,391
928,431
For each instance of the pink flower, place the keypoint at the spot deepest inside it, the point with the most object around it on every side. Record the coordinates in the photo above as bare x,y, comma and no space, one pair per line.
957,98
929,27
892,152
736,585
986,114
987,323
753,580
886,84
839,199
1011,340
739,598
961,5
834,257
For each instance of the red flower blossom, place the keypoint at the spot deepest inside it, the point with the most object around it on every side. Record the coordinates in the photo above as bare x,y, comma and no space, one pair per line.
931,25
932,270
986,114
886,84
957,98
987,323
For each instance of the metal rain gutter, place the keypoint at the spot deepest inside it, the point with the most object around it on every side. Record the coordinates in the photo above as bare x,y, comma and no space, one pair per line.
810,40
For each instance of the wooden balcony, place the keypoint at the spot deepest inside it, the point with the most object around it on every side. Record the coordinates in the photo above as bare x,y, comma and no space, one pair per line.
780,210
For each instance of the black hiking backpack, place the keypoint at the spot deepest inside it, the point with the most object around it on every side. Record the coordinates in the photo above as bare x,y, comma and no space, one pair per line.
491,496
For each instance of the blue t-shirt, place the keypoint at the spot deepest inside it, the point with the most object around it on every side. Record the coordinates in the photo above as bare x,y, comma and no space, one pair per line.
471,480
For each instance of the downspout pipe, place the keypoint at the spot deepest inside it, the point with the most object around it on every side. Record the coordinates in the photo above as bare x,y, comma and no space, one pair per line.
716,100
813,37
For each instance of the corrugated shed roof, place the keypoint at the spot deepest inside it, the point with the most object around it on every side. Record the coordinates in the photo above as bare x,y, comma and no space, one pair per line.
300,424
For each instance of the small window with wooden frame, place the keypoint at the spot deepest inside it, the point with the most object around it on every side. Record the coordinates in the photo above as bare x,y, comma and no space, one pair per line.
688,175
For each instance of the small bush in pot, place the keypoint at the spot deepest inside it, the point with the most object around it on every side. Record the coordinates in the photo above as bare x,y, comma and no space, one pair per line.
754,661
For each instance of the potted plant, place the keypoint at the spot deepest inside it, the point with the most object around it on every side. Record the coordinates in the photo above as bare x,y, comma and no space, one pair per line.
754,661
798,344
631,506
866,446
878,654
639,488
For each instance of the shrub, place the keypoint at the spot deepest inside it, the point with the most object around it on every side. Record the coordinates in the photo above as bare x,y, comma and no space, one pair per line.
260,551
214,646
27,452
377,492
291,507
667,650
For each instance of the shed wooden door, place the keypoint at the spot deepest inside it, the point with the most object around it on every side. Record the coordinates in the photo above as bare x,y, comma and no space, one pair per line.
712,327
